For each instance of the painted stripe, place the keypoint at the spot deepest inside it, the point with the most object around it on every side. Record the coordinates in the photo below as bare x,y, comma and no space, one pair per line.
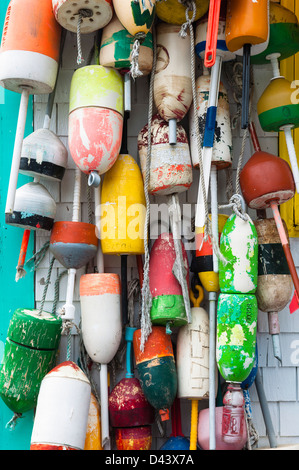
99,284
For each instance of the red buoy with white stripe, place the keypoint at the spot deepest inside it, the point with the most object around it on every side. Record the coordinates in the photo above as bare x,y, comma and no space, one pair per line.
62,410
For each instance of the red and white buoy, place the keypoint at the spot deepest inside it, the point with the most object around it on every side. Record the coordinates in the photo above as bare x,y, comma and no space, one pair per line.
95,119
62,409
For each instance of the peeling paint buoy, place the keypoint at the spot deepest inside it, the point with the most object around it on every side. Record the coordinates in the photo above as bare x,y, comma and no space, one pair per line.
61,416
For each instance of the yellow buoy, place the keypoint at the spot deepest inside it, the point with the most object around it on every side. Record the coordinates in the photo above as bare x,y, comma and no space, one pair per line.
172,11
93,439
123,208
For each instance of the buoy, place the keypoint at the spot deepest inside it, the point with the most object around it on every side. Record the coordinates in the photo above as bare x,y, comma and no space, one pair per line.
95,14
208,274
192,360
201,47
284,35
203,432
204,261
171,169
275,286
117,45
239,246
174,12
279,111
217,152
95,119
29,58
168,306
34,208
130,413
137,17
93,440
74,244
82,17
61,416
176,440
157,359
267,181
236,317
192,353
99,292
172,81
123,214
236,337
30,351
247,33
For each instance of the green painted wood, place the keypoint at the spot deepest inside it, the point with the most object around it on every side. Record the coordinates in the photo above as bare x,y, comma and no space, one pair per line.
236,335
13,295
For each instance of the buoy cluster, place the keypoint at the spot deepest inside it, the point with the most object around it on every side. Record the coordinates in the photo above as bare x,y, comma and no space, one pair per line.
174,348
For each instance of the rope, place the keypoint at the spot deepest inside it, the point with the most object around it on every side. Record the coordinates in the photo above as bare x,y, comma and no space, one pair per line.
13,421
66,330
146,326
83,13
135,71
46,286
56,291
235,204
37,258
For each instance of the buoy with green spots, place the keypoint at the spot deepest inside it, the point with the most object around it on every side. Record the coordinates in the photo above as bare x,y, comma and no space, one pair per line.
30,351
236,335
239,247
116,48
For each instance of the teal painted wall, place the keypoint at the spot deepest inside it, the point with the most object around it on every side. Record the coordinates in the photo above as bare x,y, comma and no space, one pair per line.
12,295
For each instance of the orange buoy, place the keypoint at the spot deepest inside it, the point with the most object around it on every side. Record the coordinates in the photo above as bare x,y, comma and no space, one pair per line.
157,361
247,33
29,58
93,439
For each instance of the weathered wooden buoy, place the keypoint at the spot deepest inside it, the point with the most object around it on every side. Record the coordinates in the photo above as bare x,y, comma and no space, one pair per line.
192,360
34,208
62,409
99,293
117,45
139,438
73,244
174,12
222,145
95,119
123,206
279,111
172,81
275,286
236,335
93,440
204,264
130,413
170,170
267,181
192,353
203,432
157,359
247,33
30,47
30,351
137,17
29,58
43,154
284,35
92,14
239,246
168,307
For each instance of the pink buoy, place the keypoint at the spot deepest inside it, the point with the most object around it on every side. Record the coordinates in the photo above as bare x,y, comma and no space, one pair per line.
95,119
